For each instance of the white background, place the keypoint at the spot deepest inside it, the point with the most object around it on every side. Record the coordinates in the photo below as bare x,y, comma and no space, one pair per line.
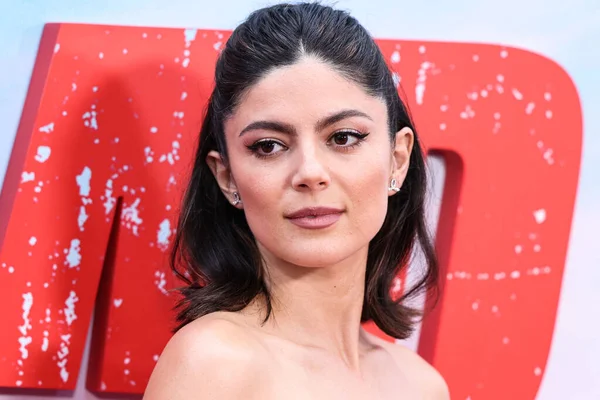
566,31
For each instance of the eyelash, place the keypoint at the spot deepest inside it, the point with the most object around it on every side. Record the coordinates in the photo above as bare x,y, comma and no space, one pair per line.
358,135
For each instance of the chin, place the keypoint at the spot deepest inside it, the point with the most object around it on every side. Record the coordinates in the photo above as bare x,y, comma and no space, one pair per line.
320,255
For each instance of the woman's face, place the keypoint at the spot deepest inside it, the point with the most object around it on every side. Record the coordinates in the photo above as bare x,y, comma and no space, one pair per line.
311,158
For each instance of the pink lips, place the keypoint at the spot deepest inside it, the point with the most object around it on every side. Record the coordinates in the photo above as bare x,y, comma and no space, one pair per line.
315,217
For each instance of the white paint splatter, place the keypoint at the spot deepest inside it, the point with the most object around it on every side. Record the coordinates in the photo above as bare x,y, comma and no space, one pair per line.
422,49
25,340
537,371
468,113
500,78
518,95
69,310
540,215
101,55
547,96
499,276
131,216
83,181
47,128
549,114
421,81
118,302
45,341
56,48
89,119
529,108
395,57
110,201
73,256
32,241
475,57
396,78
62,354
43,153
497,126
217,46
442,127
27,176
504,54
153,129
164,232
518,249
81,218
473,96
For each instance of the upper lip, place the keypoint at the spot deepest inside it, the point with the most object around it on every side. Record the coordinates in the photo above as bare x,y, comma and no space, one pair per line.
313,212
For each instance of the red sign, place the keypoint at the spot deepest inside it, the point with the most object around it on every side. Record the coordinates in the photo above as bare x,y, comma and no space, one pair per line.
89,202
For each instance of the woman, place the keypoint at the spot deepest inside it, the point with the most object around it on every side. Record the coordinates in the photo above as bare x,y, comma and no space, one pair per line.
305,201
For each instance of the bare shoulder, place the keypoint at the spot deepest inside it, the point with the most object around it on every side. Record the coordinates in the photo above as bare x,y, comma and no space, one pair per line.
429,380
212,357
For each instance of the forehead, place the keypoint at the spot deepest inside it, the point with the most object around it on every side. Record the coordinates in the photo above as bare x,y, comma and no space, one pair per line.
302,92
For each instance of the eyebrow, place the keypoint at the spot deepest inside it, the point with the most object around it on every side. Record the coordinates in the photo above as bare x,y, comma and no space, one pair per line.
288,129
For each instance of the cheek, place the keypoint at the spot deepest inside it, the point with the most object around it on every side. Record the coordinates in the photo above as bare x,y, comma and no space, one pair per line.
367,192
261,192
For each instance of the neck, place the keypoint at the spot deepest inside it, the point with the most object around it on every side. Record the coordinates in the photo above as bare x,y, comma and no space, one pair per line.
319,307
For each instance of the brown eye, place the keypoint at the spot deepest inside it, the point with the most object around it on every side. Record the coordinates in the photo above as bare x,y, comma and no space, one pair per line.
348,139
341,139
266,147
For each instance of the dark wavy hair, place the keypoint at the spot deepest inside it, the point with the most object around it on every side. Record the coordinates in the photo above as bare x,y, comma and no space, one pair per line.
214,250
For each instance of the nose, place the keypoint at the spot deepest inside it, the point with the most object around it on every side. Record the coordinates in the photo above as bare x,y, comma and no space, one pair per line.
311,172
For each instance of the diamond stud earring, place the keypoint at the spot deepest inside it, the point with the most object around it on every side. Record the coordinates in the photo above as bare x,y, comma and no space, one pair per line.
236,198
393,186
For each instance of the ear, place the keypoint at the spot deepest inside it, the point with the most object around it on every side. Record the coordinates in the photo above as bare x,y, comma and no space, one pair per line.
222,175
401,151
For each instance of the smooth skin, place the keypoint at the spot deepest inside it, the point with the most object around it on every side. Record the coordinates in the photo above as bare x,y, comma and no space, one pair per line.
296,140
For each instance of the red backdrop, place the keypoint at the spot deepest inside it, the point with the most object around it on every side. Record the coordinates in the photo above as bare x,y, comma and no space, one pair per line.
106,139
